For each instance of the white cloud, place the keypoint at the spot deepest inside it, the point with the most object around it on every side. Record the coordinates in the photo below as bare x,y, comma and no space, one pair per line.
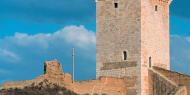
75,35
33,50
9,55
78,35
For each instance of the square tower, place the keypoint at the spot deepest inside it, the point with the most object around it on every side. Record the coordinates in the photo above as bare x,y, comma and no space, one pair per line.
53,68
132,35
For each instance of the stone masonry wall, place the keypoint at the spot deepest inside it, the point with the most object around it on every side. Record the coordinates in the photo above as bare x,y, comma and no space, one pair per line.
52,72
182,91
161,82
118,30
20,84
140,27
160,85
52,68
178,78
155,33
154,38
101,86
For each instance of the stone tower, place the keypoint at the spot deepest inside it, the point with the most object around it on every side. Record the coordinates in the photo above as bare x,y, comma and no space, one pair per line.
132,35
53,68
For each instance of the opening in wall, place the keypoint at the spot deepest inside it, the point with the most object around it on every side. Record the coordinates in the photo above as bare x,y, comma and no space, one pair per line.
156,7
124,55
45,68
116,5
150,62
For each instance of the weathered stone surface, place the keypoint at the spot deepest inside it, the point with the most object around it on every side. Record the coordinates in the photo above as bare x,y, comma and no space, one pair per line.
139,27
52,68
179,79
161,82
131,38
53,73
118,30
118,65
160,85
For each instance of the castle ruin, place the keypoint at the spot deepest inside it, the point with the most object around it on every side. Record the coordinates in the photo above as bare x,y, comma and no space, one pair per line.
133,55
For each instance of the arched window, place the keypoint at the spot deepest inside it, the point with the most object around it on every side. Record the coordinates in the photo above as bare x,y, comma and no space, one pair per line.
124,55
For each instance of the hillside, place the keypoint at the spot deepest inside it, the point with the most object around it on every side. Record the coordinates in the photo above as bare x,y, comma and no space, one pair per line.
42,88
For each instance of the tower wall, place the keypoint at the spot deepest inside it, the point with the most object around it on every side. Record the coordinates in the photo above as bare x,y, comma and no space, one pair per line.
154,38
138,27
52,68
118,30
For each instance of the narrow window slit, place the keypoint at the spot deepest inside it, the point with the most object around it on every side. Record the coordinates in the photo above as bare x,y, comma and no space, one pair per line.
45,66
116,5
150,62
124,55
156,8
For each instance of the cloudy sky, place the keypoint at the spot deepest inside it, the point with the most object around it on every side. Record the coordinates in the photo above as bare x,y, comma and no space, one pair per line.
32,31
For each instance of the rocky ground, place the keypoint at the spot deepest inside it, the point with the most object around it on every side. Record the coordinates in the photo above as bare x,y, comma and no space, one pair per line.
43,88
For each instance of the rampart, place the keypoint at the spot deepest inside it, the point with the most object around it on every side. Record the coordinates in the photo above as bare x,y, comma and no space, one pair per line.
165,82
102,86
161,82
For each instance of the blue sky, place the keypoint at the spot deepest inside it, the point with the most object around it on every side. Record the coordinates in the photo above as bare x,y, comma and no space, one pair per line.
32,31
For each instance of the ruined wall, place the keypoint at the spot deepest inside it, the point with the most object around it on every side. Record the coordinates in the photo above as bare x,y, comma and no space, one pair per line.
101,86
59,80
161,82
21,84
52,68
118,30
52,72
